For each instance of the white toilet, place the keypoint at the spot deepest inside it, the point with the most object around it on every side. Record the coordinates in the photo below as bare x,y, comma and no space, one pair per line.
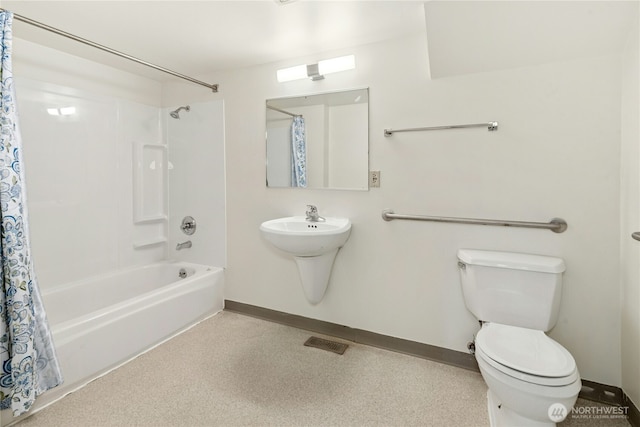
532,379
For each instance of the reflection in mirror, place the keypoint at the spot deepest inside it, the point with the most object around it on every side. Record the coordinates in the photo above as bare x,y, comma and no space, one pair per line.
319,141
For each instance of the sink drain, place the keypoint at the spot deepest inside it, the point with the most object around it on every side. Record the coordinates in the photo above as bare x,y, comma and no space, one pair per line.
322,344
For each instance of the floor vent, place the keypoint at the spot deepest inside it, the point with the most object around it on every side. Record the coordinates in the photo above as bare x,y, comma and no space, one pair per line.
327,345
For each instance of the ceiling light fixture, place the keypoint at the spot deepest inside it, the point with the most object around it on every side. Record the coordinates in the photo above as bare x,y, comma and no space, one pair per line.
317,71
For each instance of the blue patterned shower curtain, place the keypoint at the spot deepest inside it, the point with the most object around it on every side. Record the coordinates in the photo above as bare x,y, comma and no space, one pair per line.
27,356
298,153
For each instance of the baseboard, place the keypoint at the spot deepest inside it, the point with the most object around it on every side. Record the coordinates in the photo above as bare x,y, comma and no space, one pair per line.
610,395
591,390
602,393
633,414
425,351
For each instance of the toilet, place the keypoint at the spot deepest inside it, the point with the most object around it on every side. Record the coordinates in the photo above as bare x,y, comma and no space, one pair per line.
532,379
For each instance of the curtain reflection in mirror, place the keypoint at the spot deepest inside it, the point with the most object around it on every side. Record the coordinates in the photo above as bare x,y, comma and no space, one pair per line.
298,153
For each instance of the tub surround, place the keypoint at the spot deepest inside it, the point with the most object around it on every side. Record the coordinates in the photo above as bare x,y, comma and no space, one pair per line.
120,201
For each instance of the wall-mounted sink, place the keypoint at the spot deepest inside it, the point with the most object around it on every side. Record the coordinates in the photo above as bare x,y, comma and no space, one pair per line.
314,246
299,237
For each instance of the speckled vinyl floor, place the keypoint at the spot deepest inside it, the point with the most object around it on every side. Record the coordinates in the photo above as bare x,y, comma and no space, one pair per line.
234,370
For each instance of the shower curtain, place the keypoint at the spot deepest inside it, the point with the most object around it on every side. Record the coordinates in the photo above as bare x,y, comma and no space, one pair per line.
298,153
27,355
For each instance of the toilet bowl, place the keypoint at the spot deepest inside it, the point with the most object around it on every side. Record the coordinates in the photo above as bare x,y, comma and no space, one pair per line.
532,379
527,373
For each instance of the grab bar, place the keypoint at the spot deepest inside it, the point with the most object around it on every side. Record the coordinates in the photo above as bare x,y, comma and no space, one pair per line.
491,127
557,225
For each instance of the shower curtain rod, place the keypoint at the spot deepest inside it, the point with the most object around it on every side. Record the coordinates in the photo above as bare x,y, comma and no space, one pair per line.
213,87
283,112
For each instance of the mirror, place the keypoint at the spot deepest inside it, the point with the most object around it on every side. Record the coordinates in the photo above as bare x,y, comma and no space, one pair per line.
319,141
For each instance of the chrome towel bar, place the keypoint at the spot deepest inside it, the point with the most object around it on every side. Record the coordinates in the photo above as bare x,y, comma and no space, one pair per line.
491,126
557,225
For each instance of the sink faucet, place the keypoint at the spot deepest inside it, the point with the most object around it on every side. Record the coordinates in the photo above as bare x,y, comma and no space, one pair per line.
312,214
183,245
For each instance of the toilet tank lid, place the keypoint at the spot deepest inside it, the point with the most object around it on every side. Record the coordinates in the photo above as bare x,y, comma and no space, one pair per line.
512,260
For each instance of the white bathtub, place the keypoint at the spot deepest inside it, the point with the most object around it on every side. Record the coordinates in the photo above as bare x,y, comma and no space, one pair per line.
100,323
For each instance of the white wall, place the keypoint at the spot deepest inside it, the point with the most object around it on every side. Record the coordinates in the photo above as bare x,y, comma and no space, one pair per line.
630,219
556,154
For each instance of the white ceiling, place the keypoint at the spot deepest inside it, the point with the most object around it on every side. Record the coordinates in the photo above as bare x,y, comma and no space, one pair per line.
201,37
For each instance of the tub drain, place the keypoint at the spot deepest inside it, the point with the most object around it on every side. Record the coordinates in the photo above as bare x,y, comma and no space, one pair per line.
182,273
327,345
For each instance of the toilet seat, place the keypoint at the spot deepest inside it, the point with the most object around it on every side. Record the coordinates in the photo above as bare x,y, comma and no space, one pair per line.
526,354
532,379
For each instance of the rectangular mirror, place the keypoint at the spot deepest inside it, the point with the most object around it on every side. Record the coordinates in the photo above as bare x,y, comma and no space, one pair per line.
319,141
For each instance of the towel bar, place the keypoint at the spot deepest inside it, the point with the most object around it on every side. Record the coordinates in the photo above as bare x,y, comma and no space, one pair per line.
491,127
557,225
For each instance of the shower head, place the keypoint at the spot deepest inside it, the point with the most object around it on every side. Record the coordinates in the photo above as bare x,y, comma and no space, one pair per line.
176,113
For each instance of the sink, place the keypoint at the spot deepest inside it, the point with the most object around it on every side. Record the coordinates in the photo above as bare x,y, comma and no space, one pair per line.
314,246
299,237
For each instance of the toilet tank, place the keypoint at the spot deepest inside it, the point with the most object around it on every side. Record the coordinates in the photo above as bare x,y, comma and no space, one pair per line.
511,288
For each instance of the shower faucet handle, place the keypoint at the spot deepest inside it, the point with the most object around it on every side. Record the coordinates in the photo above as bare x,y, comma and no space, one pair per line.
188,225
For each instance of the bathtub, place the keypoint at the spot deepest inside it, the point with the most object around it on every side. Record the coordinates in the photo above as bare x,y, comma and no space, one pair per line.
99,324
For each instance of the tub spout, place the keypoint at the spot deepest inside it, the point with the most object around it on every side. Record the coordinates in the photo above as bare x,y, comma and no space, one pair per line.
183,245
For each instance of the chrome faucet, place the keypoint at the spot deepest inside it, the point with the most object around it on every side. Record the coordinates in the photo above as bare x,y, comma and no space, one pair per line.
183,245
312,214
